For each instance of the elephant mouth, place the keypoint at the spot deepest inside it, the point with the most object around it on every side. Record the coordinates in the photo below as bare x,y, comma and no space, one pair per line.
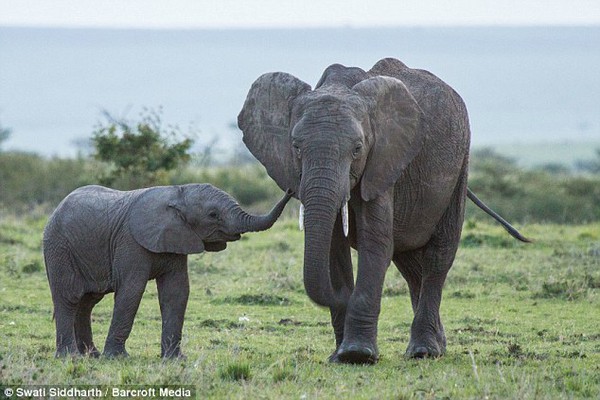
220,243
215,246
233,238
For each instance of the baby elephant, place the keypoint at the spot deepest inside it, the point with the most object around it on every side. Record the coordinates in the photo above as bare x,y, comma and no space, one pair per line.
101,240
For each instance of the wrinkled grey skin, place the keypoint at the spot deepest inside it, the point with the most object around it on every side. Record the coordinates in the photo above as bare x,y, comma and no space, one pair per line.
101,240
394,142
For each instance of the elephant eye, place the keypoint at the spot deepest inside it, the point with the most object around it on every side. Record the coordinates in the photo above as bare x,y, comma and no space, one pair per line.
213,214
296,148
357,150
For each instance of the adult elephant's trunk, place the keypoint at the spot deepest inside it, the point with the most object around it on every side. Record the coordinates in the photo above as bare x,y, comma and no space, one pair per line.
245,222
322,199
318,226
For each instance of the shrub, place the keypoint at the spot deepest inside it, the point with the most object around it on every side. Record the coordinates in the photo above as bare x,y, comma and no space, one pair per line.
28,179
532,195
138,154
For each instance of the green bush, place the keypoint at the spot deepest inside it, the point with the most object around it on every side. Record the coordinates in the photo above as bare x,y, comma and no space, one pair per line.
28,180
532,195
138,154
521,196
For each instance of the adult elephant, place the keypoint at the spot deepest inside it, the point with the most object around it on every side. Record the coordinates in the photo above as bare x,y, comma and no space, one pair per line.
100,240
379,161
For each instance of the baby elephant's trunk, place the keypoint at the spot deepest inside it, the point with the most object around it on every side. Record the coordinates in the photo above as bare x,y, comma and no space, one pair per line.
255,223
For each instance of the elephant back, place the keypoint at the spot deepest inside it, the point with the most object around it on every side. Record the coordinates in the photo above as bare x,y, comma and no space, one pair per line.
79,234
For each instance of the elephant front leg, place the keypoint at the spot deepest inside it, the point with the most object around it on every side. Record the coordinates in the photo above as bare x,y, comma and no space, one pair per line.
375,246
127,302
342,281
173,292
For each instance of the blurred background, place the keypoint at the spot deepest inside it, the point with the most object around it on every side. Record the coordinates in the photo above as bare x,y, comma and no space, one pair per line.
75,72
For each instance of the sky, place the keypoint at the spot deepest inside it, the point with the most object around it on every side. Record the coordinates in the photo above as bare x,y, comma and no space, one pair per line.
223,14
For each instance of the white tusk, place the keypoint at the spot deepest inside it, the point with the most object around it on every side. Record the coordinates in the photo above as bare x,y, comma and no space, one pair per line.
301,217
345,219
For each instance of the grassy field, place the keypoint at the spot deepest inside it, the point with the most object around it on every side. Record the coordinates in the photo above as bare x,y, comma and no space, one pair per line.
522,322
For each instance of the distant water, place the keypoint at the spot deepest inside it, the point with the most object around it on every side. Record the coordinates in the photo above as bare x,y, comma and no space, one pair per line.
521,85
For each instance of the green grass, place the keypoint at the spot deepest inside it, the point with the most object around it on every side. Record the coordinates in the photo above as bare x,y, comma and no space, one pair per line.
522,321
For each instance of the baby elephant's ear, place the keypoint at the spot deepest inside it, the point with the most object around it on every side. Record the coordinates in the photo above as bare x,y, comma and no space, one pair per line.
157,222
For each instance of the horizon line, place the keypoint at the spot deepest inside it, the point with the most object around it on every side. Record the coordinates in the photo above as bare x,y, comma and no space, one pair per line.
294,27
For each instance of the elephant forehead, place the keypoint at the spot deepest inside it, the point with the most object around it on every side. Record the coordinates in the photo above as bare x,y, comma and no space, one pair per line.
337,127
332,101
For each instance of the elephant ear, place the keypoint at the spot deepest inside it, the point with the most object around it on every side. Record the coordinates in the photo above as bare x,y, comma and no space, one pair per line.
265,122
395,119
158,222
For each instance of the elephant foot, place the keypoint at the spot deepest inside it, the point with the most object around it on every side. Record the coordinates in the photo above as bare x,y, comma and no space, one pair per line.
355,354
426,343
115,353
420,351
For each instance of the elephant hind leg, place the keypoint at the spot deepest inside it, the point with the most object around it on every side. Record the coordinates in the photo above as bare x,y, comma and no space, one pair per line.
83,324
64,318
427,333
410,265
67,290
427,337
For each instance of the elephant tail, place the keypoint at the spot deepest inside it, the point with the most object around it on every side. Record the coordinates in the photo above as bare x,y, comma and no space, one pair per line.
509,228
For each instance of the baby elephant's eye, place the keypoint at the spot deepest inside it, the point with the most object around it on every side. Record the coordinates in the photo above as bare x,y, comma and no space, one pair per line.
213,214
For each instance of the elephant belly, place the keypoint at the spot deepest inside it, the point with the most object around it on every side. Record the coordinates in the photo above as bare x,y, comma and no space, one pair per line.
93,263
88,256
419,208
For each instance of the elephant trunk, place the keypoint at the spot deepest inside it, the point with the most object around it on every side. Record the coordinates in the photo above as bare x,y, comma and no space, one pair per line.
245,222
322,203
318,225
